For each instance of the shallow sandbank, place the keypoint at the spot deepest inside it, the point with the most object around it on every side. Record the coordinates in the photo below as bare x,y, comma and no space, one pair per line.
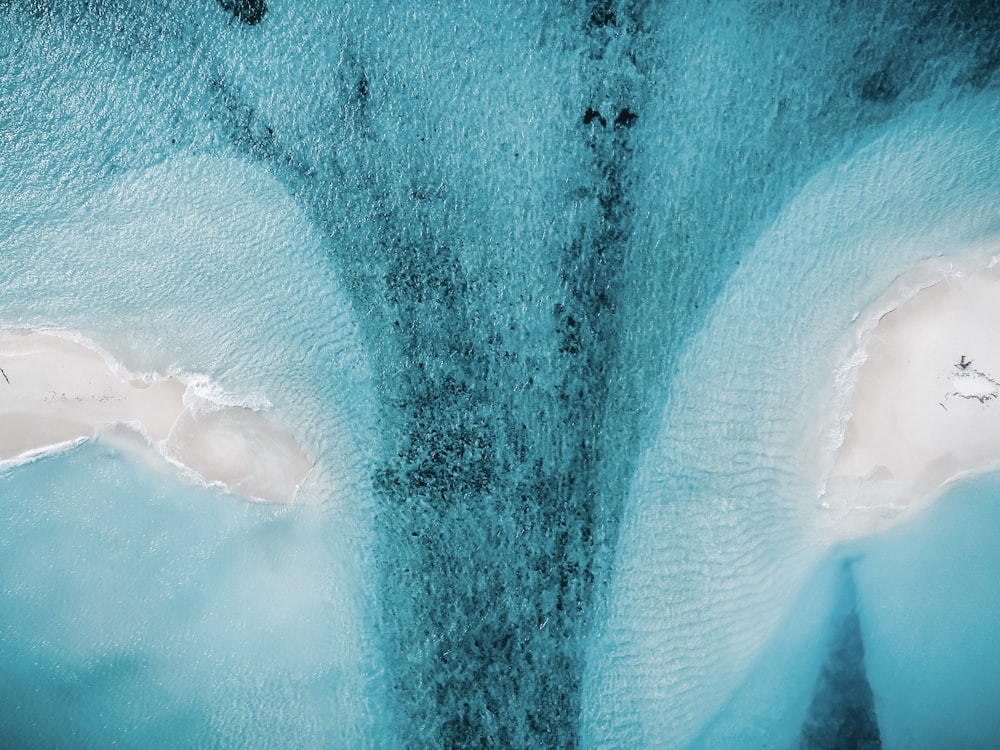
925,406
56,390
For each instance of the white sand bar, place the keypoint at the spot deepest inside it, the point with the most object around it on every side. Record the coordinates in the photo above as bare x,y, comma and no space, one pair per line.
925,409
56,390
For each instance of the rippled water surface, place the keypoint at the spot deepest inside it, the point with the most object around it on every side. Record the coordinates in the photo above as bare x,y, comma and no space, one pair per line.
556,295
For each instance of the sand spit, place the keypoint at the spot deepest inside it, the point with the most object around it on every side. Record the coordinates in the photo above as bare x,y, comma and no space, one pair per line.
925,406
57,390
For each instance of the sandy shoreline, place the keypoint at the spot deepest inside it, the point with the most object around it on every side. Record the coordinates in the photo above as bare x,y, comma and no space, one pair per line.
925,406
56,390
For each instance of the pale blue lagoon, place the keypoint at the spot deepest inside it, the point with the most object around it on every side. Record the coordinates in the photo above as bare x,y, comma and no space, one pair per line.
564,301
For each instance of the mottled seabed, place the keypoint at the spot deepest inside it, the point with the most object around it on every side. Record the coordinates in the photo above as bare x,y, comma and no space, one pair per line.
567,304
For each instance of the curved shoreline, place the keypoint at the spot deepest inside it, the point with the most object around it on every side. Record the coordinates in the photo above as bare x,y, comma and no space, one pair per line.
919,394
57,390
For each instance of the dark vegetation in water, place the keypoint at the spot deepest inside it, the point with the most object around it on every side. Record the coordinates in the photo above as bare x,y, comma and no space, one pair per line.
626,117
508,425
908,58
498,517
591,115
243,124
842,715
501,488
250,12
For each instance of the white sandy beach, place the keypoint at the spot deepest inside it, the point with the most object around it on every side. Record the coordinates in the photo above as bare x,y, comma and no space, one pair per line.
56,391
925,409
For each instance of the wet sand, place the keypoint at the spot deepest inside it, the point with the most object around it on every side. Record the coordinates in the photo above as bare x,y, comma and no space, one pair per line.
57,390
925,407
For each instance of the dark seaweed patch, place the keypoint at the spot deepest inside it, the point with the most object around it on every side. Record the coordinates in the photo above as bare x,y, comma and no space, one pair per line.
592,114
879,87
601,14
244,124
626,117
250,12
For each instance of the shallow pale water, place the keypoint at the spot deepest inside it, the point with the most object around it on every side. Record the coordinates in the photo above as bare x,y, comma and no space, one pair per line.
930,616
557,296
142,612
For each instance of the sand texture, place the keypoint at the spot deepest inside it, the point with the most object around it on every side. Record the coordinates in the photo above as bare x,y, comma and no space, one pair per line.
925,408
56,390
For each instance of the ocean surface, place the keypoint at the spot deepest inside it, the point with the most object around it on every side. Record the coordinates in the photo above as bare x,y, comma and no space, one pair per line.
559,296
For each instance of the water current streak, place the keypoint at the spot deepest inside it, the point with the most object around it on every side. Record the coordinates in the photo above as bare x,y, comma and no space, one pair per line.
497,509
842,711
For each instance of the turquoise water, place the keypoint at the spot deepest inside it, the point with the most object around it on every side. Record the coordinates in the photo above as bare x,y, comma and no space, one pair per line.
924,598
142,613
555,295
930,619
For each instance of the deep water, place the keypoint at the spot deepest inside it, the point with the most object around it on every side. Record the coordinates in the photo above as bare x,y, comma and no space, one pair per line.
842,712
553,292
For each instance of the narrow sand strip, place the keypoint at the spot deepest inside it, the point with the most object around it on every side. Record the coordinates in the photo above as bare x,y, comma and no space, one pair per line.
925,409
56,391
